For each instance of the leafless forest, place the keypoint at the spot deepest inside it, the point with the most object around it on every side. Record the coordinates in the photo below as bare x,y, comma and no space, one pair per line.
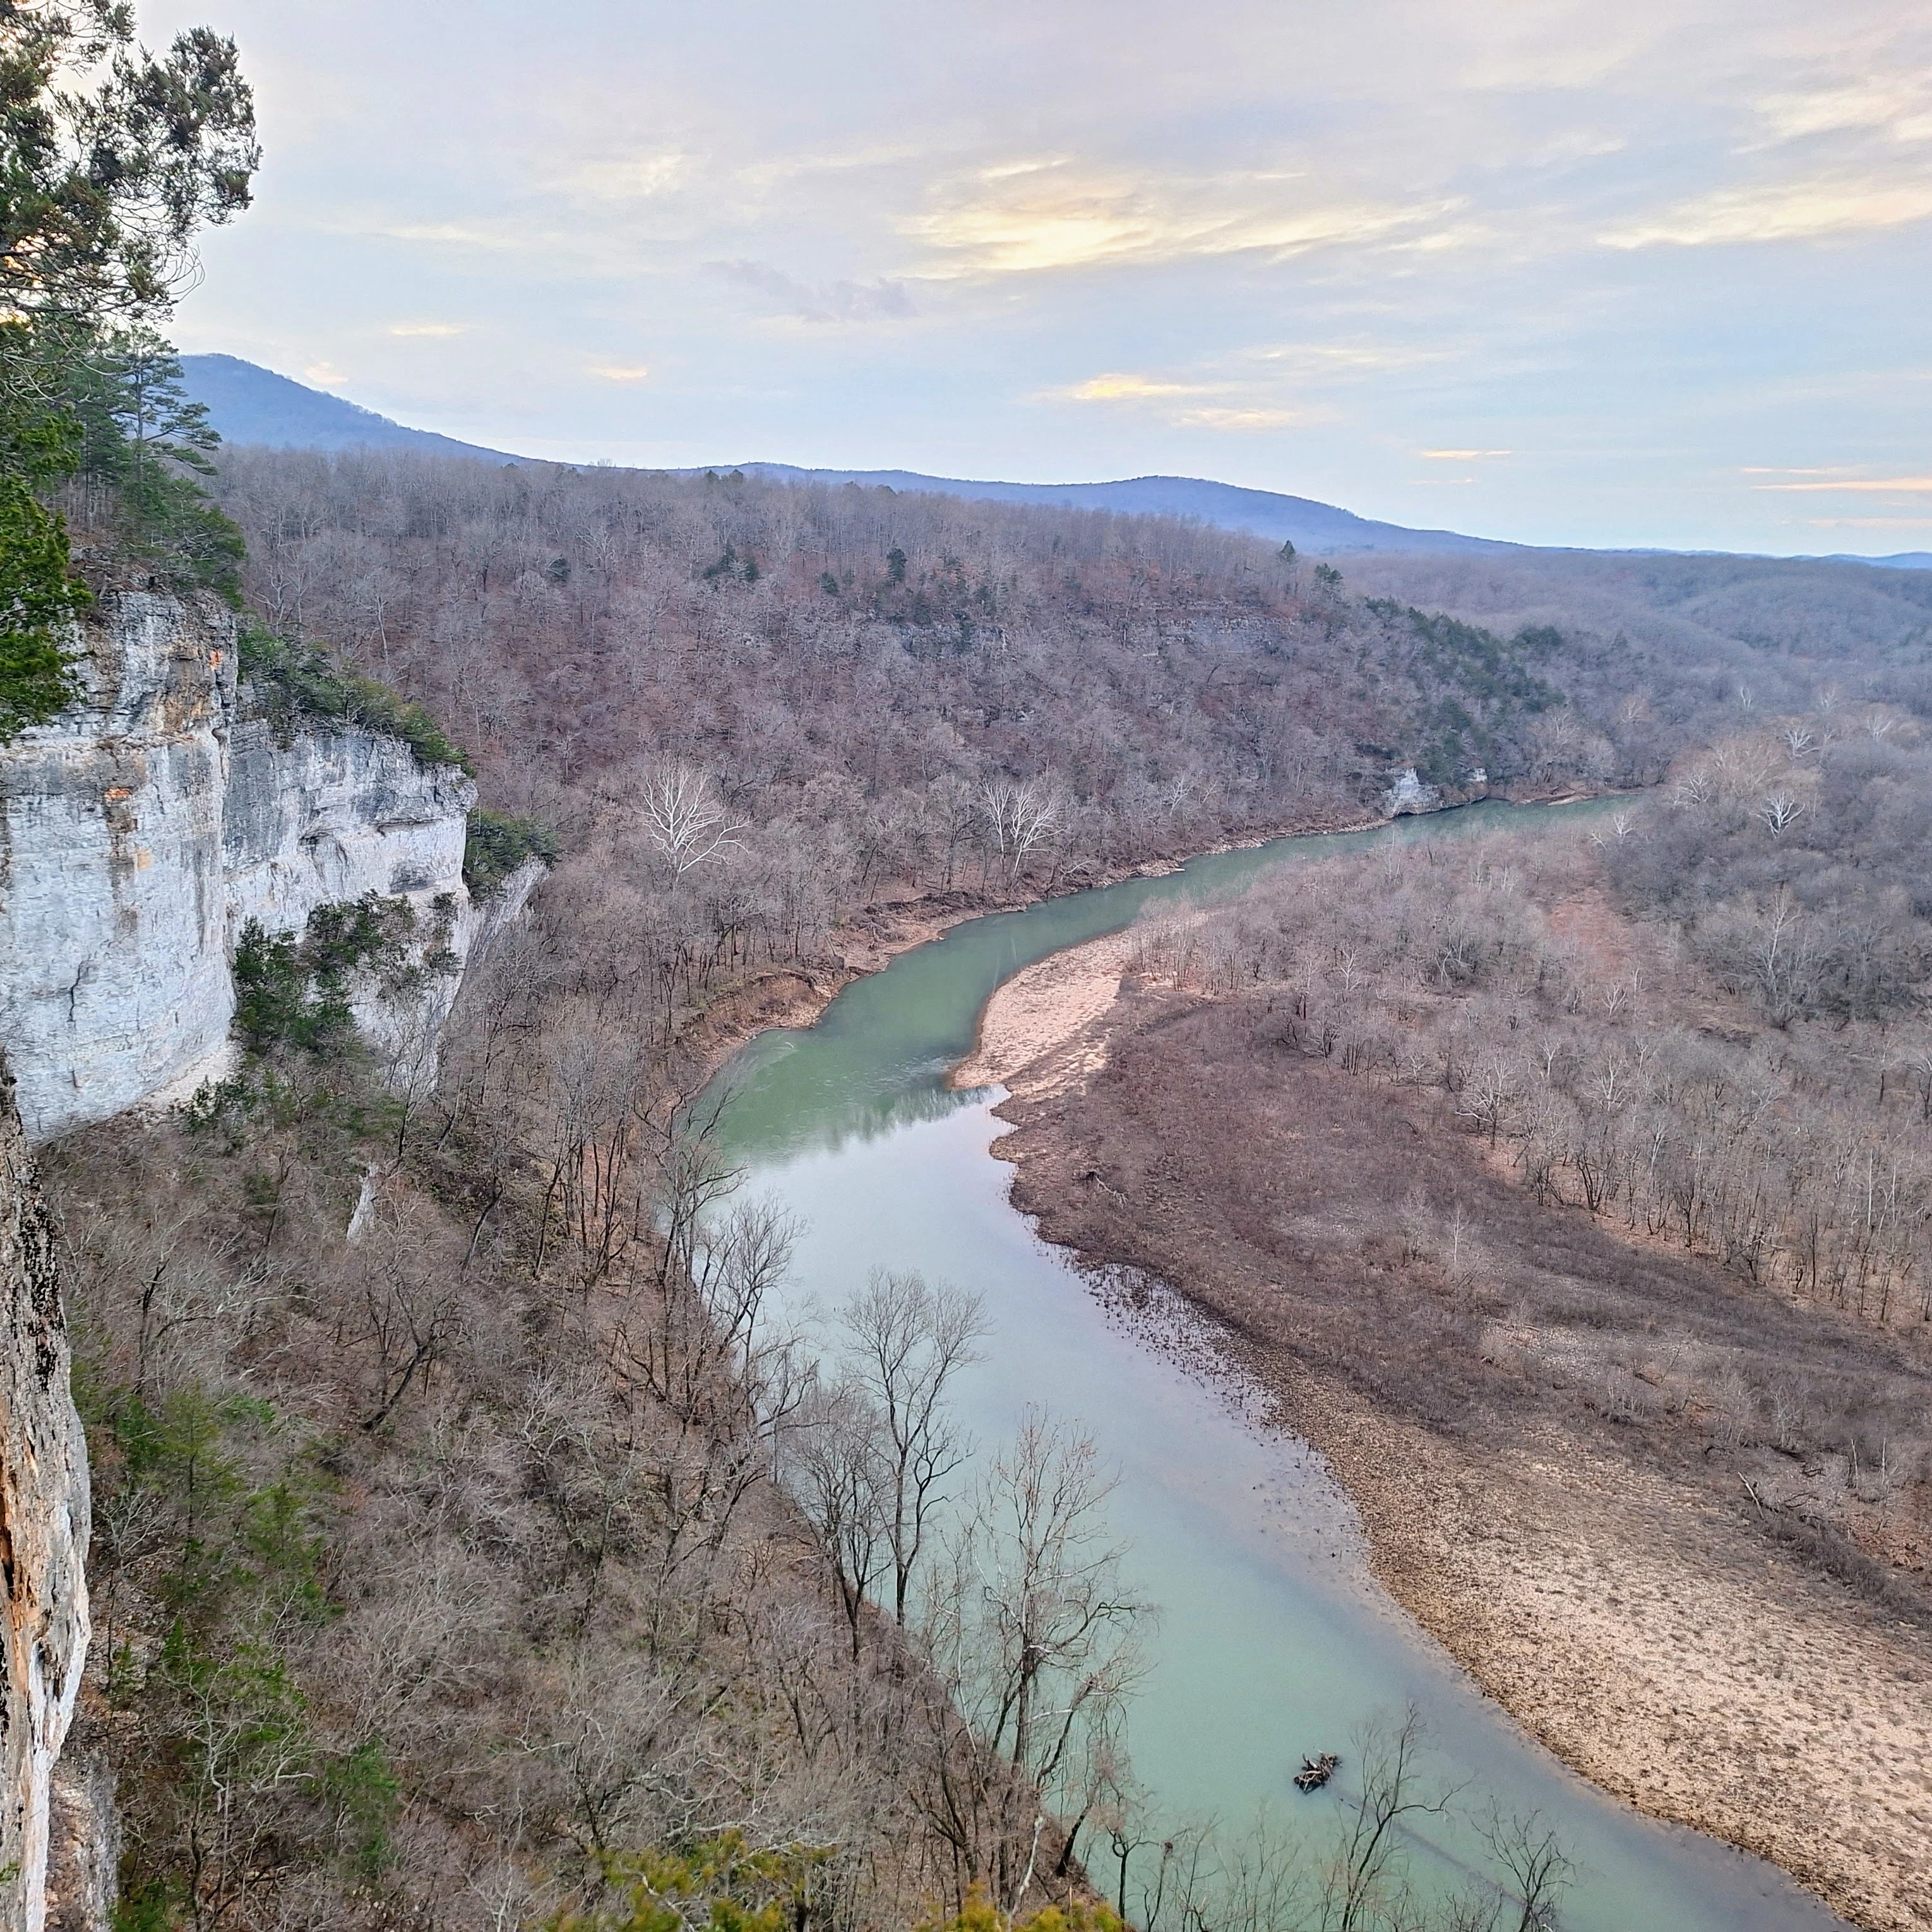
445,1574
862,695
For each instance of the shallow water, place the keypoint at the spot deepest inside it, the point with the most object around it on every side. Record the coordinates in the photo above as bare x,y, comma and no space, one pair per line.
1273,1640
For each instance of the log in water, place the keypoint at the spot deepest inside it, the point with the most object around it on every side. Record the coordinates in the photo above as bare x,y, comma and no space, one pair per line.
1273,1641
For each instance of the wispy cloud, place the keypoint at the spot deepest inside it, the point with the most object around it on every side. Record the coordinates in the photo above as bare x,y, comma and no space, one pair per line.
885,300
1027,217
445,234
434,329
841,160
1869,522
633,177
1239,407
1896,105
1781,211
324,376
1882,486
633,372
1246,419
1461,455
1125,388
1322,360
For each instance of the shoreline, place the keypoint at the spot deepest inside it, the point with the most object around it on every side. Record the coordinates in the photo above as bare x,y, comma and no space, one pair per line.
1615,1618
721,1028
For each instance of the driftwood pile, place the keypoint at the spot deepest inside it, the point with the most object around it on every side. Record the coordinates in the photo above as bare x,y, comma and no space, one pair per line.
1315,1771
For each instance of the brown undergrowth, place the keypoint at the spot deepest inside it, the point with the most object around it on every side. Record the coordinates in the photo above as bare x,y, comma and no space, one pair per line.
1540,1421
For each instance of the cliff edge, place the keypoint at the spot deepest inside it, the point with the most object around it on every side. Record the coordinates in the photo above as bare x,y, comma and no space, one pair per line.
144,826
44,1524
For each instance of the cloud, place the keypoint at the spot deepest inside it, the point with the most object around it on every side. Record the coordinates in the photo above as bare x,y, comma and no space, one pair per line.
448,234
1886,486
1896,105
1461,455
635,178
1241,411
1022,218
1333,358
621,373
1123,389
1783,212
325,375
1244,419
1869,522
885,300
429,329
792,167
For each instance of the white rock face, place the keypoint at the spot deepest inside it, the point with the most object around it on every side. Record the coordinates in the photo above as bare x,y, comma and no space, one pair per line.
111,892
1409,794
143,827
45,1524
332,816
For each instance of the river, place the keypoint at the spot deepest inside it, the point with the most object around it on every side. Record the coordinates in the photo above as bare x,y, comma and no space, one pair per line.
1273,1639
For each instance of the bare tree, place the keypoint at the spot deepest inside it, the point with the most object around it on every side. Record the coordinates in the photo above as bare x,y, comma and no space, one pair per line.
1031,1633
685,819
908,1342
839,1477
1018,819
1368,1879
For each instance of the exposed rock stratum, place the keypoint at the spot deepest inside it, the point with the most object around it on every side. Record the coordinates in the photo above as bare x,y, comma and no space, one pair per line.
44,1524
144,826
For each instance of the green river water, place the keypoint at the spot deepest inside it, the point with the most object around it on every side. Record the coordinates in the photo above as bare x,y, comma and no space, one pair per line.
1273,1640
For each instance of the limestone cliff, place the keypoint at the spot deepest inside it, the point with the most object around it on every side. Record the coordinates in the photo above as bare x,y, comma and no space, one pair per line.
1411,794
141,829
43,1529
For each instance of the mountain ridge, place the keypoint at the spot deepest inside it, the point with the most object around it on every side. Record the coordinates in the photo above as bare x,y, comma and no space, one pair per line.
248,404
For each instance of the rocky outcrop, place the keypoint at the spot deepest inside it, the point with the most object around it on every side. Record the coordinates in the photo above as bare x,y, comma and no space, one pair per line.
84,1856
1411,794
112,907
44,1524
144,826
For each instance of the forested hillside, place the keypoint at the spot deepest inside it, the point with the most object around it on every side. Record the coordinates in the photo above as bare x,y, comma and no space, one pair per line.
836,696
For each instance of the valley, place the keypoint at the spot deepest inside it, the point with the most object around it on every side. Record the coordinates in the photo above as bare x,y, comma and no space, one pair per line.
838,1196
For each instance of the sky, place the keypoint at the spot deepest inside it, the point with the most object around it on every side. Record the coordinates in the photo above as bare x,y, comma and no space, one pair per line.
1655,272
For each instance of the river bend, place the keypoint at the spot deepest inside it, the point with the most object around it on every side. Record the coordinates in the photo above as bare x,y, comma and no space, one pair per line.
1273,1638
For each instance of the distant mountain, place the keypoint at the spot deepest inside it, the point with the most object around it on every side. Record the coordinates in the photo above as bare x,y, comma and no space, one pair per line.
1301,520
248,404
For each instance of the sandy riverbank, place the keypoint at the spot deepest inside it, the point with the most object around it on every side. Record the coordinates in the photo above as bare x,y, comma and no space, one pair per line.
1044,1018
1620,1612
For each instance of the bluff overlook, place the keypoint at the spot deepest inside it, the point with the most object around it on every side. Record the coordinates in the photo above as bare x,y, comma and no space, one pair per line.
142,828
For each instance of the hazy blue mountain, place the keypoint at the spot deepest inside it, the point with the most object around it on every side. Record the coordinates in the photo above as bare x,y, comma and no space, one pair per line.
251,405
248,404
1301,520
